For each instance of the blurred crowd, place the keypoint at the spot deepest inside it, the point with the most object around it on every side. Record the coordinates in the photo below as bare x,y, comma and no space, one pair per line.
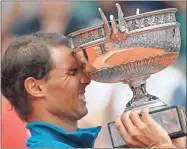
21,18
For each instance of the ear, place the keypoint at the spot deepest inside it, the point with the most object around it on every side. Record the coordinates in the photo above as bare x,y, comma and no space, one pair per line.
32,86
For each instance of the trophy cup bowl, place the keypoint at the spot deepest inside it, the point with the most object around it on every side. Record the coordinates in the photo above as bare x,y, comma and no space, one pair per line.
129,50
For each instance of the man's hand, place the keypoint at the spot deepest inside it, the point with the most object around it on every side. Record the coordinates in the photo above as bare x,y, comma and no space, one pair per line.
179,142
141,131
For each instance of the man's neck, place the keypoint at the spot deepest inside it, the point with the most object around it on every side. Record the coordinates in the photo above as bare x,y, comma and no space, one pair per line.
65,123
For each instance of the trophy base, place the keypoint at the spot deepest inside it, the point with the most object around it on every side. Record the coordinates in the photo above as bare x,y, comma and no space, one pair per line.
172,119
152,105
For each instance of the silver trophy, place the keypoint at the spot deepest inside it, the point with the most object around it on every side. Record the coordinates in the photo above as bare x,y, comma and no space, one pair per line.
129,50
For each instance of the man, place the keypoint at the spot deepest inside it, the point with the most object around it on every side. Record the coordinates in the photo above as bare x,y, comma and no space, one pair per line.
45,85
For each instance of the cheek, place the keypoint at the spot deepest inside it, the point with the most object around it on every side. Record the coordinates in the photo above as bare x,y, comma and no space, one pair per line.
55,88
71,91
64,88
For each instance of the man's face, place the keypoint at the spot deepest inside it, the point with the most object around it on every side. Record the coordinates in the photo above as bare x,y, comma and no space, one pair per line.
64,91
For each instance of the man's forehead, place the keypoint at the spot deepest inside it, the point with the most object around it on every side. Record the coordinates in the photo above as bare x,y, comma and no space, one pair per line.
61,51
63,55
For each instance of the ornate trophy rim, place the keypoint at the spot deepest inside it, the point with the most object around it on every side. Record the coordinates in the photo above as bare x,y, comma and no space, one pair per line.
147,22
146,14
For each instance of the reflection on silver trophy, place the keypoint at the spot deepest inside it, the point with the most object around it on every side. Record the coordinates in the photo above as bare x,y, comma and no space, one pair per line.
129,50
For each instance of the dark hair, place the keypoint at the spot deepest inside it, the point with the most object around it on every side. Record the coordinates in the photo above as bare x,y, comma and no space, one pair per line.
27,56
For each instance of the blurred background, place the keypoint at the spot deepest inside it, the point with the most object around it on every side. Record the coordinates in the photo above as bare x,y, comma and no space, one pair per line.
21,18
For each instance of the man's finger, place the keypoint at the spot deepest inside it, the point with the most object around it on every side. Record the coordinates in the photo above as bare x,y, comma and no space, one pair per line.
127,122
120,127
135,118
146,118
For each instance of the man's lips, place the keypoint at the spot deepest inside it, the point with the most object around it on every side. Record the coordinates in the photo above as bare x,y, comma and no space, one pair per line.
81,96
81,92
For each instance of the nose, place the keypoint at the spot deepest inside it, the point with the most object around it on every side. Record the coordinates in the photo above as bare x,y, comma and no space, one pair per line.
84,78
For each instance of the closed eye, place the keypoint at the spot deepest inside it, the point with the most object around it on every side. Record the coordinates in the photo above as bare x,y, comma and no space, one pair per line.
74,71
